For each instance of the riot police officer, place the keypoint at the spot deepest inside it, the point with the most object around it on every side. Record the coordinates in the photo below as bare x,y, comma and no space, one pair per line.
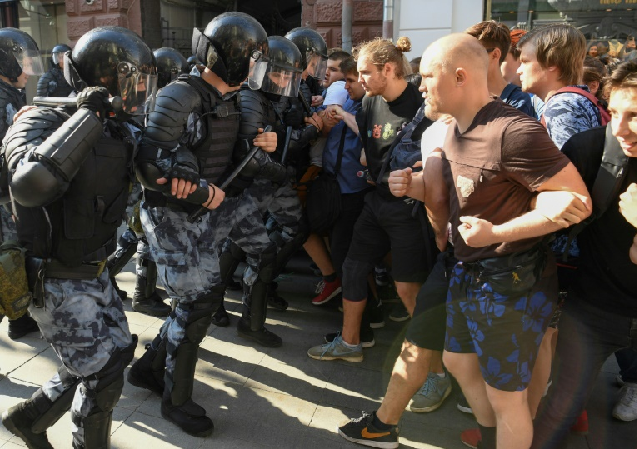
188,149
53,83
313,59
270,105
68,224
19,59
170,64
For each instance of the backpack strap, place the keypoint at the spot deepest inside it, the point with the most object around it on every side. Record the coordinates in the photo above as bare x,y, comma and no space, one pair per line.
602,115
610,177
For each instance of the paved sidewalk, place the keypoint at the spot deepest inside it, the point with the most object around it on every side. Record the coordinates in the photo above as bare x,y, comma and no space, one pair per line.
274,397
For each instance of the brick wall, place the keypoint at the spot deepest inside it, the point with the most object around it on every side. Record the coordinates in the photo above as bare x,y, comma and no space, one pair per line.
325,17
83,17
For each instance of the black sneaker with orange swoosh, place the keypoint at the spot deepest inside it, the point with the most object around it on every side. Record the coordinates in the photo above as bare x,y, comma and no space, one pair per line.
362,431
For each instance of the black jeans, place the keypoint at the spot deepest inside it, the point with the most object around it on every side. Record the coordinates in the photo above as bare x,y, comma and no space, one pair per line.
588,336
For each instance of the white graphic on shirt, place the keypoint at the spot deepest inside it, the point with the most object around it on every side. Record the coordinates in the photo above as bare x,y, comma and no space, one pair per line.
465,185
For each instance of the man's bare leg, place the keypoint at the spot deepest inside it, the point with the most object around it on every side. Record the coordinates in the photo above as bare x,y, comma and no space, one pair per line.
409,374
541,371
466,369
408,292
352,317
514,424
316,249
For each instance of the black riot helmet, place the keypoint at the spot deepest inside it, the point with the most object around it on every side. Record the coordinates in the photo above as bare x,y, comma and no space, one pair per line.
170,64
57,54
18,53
118,59
284,72
231,46
313,50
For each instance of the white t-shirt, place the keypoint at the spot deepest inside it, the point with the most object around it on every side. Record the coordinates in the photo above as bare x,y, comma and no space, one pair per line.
433,138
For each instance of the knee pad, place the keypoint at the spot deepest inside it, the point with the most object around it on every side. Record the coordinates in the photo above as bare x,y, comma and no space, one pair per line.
49,412
355,279
229,261
200,313
267,263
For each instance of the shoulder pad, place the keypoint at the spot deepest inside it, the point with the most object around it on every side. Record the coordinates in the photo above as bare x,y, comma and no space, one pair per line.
43,84
33,128
253,106
173,105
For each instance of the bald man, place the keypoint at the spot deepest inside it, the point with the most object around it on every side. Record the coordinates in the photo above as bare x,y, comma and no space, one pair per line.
502,291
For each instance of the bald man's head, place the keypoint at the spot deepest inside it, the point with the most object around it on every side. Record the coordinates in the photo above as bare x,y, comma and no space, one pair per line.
454,68
460,50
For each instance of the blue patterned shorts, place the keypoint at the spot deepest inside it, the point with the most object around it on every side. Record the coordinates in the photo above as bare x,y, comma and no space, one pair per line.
499,308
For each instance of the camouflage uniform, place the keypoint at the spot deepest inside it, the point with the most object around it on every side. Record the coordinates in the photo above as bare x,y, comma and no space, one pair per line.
79,314
11,101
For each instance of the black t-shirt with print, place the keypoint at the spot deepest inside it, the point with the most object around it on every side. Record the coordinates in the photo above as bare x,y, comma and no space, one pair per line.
379,122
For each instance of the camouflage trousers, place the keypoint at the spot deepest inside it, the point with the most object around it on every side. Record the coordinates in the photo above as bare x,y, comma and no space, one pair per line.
187,258
84,322
281,203
9,231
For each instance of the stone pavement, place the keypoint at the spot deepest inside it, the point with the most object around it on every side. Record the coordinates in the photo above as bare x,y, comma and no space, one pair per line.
274,397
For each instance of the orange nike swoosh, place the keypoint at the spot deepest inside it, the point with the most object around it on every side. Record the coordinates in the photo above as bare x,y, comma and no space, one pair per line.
367,434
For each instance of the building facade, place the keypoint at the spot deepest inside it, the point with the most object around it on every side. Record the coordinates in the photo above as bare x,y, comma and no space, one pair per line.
609,25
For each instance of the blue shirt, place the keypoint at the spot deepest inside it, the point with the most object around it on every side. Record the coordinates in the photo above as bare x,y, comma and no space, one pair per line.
569,113
347,177
513,96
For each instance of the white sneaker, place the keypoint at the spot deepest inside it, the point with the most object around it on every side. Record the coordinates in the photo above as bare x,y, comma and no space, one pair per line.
626,408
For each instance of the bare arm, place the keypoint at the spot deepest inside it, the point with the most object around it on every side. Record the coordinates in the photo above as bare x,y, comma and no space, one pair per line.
436,198
479,233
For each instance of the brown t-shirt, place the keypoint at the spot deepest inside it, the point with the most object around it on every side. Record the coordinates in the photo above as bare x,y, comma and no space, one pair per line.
492,171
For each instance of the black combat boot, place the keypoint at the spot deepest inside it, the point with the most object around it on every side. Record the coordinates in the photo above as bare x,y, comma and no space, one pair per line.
262,336
274,300
145,299
221,317
18,420
22,326
148,371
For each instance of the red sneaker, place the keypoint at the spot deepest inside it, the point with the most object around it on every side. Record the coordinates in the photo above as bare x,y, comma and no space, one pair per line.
471,438
327,291
581,425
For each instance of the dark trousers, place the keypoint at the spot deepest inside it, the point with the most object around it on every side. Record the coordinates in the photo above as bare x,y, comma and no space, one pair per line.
588,336
343,229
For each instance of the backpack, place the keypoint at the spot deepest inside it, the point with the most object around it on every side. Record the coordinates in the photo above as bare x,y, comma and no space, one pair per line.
604,116
609,180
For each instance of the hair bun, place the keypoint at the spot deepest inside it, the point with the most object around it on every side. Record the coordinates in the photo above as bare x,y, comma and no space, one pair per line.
403,44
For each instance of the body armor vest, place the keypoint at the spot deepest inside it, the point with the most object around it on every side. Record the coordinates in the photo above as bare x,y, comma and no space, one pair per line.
220,128
82,225
53,84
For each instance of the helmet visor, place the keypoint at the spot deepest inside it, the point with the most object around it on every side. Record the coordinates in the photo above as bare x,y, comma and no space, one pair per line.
57,57
138,91
316,65
282,82
258,67
30,61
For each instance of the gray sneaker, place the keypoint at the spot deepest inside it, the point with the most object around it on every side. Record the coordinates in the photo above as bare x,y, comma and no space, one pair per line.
432,394
335,350
626,408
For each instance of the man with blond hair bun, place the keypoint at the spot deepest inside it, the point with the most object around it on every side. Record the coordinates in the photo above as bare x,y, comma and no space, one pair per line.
386,222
